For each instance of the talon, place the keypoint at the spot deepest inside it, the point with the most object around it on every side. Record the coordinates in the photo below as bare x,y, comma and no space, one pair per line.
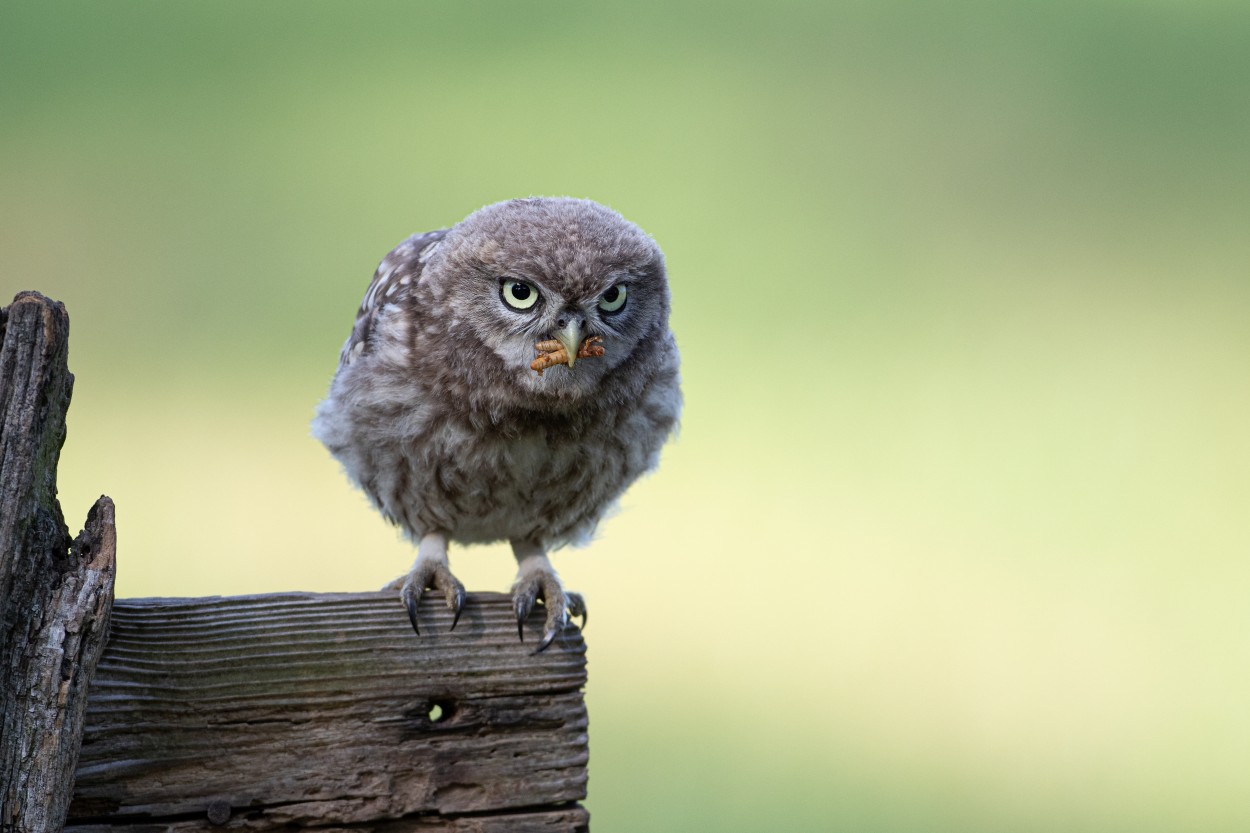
411,597
577,608
548,638
523,608
458,607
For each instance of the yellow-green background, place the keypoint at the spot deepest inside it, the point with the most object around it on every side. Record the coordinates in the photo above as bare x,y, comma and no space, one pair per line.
955,533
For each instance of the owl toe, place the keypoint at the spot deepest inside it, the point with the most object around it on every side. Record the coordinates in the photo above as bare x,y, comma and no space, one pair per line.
577,607
410,595
456,602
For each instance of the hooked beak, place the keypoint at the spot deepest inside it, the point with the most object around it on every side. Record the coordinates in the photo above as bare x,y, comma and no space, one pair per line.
570,338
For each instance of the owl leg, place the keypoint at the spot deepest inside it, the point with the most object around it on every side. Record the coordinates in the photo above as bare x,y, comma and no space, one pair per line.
430,571
536,580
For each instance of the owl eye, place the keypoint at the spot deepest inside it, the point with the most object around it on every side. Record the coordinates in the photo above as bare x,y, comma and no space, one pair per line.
518,294
614,299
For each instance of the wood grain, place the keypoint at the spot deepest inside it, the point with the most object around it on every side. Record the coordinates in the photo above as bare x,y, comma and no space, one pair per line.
305,709
55,594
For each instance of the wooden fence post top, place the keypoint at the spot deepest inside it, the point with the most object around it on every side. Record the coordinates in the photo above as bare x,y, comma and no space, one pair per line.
303,709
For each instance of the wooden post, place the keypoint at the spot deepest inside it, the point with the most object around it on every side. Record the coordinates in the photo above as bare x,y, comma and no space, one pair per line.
297,710
55,594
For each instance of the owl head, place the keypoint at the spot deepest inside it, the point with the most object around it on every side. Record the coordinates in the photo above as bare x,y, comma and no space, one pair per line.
528,270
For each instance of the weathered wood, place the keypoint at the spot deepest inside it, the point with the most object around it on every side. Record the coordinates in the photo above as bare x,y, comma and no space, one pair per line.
293,710
573,818
55,594
253,713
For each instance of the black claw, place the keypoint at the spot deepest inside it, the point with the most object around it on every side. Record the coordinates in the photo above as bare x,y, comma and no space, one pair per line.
523,608
577,608
458,607
548,637
410,602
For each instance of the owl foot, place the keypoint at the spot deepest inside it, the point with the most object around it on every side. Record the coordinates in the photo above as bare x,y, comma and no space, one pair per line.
437,577
431,572
538,582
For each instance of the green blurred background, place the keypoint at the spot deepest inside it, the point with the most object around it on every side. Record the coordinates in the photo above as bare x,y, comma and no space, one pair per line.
955,533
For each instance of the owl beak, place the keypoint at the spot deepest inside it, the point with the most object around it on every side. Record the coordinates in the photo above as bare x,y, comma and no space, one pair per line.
570,338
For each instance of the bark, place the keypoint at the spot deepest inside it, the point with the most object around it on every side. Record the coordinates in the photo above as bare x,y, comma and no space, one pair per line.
55,594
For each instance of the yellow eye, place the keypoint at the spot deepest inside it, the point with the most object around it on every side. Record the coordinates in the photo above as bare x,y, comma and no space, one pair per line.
518,294
614,299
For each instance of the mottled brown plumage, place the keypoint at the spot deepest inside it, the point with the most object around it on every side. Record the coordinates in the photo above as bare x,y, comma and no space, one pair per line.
436,413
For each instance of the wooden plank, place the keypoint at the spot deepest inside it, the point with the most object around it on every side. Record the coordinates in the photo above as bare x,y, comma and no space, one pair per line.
305,709
55,594
573,819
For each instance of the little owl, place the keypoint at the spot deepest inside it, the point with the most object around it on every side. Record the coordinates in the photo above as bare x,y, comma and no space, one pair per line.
440,412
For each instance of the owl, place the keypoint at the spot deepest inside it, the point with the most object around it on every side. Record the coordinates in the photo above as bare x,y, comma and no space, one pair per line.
448,413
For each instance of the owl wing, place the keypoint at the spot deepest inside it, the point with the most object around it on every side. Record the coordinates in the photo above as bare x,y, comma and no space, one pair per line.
395,277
